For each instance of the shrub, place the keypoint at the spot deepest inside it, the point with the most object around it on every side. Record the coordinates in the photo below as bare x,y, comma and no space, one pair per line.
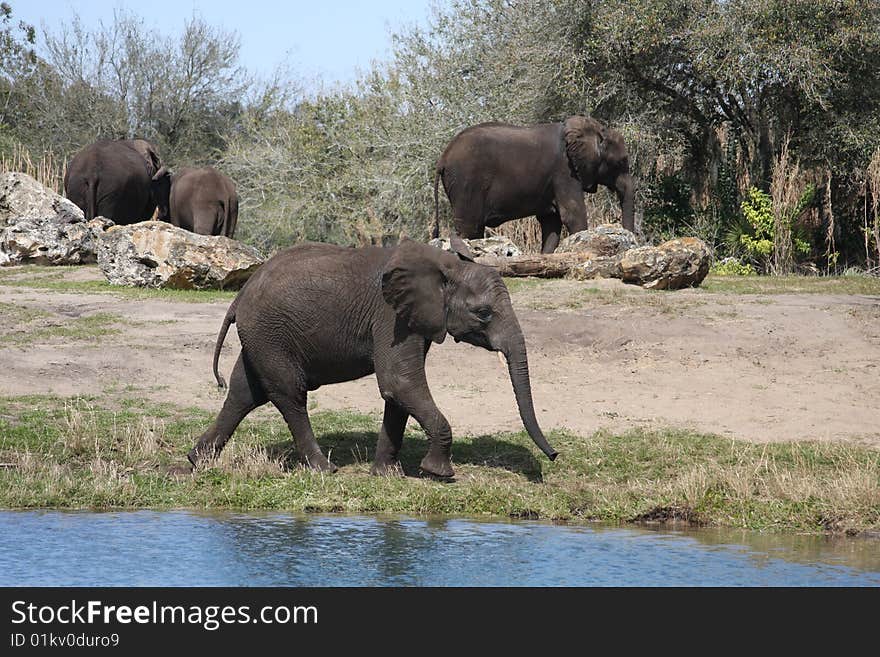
732,267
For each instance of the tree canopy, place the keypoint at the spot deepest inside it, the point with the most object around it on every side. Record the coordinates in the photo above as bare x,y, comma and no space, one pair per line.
705,92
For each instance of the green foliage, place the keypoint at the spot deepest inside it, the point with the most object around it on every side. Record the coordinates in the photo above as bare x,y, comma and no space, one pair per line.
667,206
765,221
758,210
732,267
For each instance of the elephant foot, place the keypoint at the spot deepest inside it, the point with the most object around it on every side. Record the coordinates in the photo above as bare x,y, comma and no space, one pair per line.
320,463
199,456
438,466
388,469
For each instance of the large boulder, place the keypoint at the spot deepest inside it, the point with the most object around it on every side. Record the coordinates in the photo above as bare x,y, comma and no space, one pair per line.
606,240
157,254
675,264
39,226
498,246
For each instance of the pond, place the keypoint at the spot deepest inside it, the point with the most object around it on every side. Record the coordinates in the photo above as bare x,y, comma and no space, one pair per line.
184,548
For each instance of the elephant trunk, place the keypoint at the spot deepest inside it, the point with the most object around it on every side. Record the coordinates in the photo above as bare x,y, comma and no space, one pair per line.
518,366
625,193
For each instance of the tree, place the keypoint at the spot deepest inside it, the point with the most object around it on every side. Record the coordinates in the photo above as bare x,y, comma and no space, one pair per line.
122,79
16,58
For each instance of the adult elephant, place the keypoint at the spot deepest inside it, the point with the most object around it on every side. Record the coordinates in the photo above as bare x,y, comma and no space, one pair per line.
200,200
316,314
495,172
115,179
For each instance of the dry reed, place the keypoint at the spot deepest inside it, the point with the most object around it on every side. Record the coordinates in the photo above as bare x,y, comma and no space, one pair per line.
874,230
47,170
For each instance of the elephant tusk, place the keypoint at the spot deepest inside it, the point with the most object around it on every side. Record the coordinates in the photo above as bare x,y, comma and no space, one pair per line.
502,360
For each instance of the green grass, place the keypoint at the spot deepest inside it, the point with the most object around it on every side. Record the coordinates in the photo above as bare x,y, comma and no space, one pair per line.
792,284
79,453
515,285
564,294
54,279
34,326
15,313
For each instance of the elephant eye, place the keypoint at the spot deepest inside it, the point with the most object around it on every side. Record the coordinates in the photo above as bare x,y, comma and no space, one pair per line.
483,313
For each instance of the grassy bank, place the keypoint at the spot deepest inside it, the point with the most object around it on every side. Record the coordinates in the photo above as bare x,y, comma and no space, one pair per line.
856,284
76,453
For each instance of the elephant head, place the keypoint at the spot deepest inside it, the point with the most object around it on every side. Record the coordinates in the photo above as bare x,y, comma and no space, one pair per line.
597,154
436,292
160,189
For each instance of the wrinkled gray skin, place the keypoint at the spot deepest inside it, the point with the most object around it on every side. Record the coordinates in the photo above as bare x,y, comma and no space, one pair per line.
317,314
202,201
495,172
114,179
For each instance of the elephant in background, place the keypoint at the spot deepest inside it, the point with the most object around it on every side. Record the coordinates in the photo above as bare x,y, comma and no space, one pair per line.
495,172
316,314
202,201
115,179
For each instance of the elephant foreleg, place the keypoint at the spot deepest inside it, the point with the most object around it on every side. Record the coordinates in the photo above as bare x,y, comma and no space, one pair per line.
245,394
417,401
390,440
551,227
469,229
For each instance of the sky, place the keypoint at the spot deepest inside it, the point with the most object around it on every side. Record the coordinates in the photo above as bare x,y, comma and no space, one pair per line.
321,41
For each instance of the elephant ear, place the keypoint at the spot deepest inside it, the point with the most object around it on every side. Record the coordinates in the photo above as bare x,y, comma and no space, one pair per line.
148,152
460,248
414,284
584,138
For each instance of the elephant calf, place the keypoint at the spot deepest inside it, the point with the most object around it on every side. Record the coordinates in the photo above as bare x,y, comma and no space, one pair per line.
202,201
316,314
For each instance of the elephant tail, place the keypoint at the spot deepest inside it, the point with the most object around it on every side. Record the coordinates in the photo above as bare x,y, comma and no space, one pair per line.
229,319
91,198
231,216
436,233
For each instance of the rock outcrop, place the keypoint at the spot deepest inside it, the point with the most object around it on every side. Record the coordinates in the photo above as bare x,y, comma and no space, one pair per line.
38,226
157,254
675,264
606,240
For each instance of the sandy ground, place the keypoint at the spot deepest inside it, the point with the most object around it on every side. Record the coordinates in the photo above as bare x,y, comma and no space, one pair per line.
755,367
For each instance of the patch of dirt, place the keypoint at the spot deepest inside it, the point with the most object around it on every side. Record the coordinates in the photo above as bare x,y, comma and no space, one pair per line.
755,367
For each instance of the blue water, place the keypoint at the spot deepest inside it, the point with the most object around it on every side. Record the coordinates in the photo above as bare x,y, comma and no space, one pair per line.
179,548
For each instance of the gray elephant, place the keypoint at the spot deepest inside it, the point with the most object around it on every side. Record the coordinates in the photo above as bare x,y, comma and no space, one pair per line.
495,172
115,179
316,314
202,201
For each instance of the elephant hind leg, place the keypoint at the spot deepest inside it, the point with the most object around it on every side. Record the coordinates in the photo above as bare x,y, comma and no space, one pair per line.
245,394
294,409
551,228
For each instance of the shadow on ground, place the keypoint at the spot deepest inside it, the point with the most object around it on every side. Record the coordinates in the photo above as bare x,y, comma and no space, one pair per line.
351,447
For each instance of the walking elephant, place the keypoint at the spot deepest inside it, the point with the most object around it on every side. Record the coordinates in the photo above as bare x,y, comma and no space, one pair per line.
316,314
495,172
202,201
115,179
